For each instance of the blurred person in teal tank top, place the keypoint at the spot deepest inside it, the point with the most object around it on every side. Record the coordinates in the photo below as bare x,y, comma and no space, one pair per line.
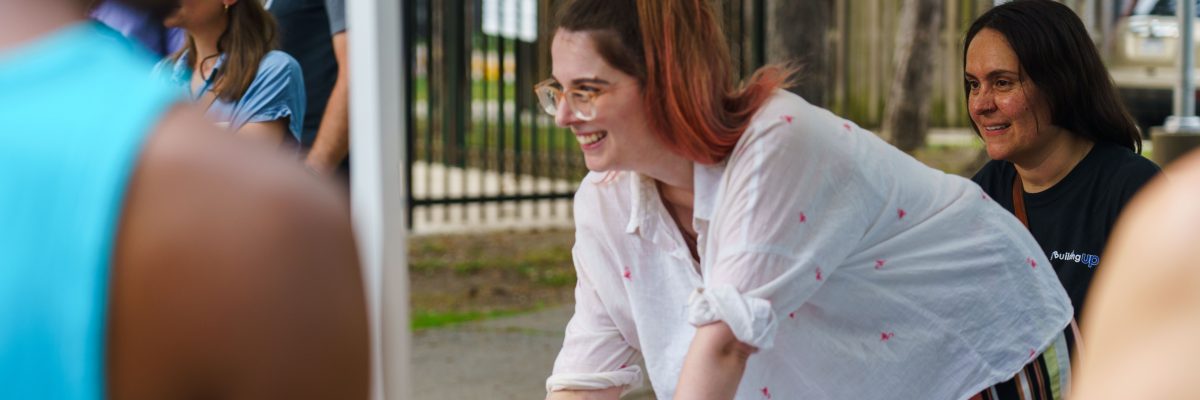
138,259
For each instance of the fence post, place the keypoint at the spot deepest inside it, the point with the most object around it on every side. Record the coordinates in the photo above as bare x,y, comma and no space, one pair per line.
1182,130
377,204
408,27
455,105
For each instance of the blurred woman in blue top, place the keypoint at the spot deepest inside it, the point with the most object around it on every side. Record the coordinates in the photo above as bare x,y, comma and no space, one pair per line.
229,67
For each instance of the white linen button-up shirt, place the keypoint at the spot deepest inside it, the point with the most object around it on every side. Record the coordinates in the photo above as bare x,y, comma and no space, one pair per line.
857,271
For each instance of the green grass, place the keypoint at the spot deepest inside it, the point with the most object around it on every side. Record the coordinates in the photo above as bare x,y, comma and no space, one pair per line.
427,264
464,278
469,266
555,278
431,248
480,90
427,319
478,87
420,89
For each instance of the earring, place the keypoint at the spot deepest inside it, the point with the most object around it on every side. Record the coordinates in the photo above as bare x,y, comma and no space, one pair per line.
226,8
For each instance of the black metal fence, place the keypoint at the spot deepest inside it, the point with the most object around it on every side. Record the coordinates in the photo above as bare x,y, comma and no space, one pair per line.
479,148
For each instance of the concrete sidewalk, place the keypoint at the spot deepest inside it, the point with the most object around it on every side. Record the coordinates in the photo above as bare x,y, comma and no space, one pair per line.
505,358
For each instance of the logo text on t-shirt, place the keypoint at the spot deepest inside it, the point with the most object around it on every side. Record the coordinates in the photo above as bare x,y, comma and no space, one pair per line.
1090,260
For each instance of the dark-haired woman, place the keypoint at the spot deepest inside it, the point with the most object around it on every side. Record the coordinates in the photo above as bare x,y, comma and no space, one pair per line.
228,66
747,244
1064,149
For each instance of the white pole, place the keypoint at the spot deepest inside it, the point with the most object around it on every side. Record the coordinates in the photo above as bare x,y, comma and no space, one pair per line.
1185,120
1107,18
377,200
1185,104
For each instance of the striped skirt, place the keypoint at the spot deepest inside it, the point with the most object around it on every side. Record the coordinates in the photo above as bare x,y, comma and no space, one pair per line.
1046,378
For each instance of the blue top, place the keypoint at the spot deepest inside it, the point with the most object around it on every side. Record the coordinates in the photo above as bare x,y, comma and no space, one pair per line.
76,107
277,91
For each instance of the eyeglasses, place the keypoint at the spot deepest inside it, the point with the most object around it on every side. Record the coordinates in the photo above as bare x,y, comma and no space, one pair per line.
582,102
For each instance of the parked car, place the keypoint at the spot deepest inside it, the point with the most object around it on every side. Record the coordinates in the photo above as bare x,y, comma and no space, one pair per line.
1144,60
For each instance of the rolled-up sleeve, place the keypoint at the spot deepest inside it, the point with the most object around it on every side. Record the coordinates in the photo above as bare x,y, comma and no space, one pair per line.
594,354
794,206
276,93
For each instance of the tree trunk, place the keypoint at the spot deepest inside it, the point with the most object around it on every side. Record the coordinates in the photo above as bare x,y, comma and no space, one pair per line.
799,31
906,115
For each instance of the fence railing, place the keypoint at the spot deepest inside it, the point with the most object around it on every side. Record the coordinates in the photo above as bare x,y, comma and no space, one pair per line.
481,154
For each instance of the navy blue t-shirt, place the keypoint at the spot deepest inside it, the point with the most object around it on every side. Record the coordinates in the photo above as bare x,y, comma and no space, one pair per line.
306,30
1072,219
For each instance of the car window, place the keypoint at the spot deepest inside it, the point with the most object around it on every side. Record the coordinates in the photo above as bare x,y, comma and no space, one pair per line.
1159,7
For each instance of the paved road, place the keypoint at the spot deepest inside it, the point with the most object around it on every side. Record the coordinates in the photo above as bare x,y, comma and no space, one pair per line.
506,358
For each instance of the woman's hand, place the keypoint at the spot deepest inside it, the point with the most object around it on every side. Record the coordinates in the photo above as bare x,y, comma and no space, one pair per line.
714,364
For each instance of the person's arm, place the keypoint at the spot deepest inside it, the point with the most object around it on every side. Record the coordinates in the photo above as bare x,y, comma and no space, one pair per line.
795,203
332,143
613,393
1143,310
270,132
273,108
714,364
234,275
595,362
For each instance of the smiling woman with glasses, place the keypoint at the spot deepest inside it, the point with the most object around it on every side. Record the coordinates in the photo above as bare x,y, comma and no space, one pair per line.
747,244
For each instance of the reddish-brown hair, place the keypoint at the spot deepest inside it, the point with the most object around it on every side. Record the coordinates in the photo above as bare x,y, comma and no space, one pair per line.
678,53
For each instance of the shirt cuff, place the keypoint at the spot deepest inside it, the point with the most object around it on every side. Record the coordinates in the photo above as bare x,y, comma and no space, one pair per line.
751,319
630,377
278,113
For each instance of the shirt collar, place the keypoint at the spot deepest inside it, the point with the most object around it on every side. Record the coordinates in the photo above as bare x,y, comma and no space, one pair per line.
642,192
706,180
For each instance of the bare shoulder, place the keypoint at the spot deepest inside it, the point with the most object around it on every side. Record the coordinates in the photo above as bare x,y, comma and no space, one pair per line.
1142,309
235,272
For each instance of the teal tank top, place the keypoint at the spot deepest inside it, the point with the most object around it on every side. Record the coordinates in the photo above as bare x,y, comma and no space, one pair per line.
75,109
